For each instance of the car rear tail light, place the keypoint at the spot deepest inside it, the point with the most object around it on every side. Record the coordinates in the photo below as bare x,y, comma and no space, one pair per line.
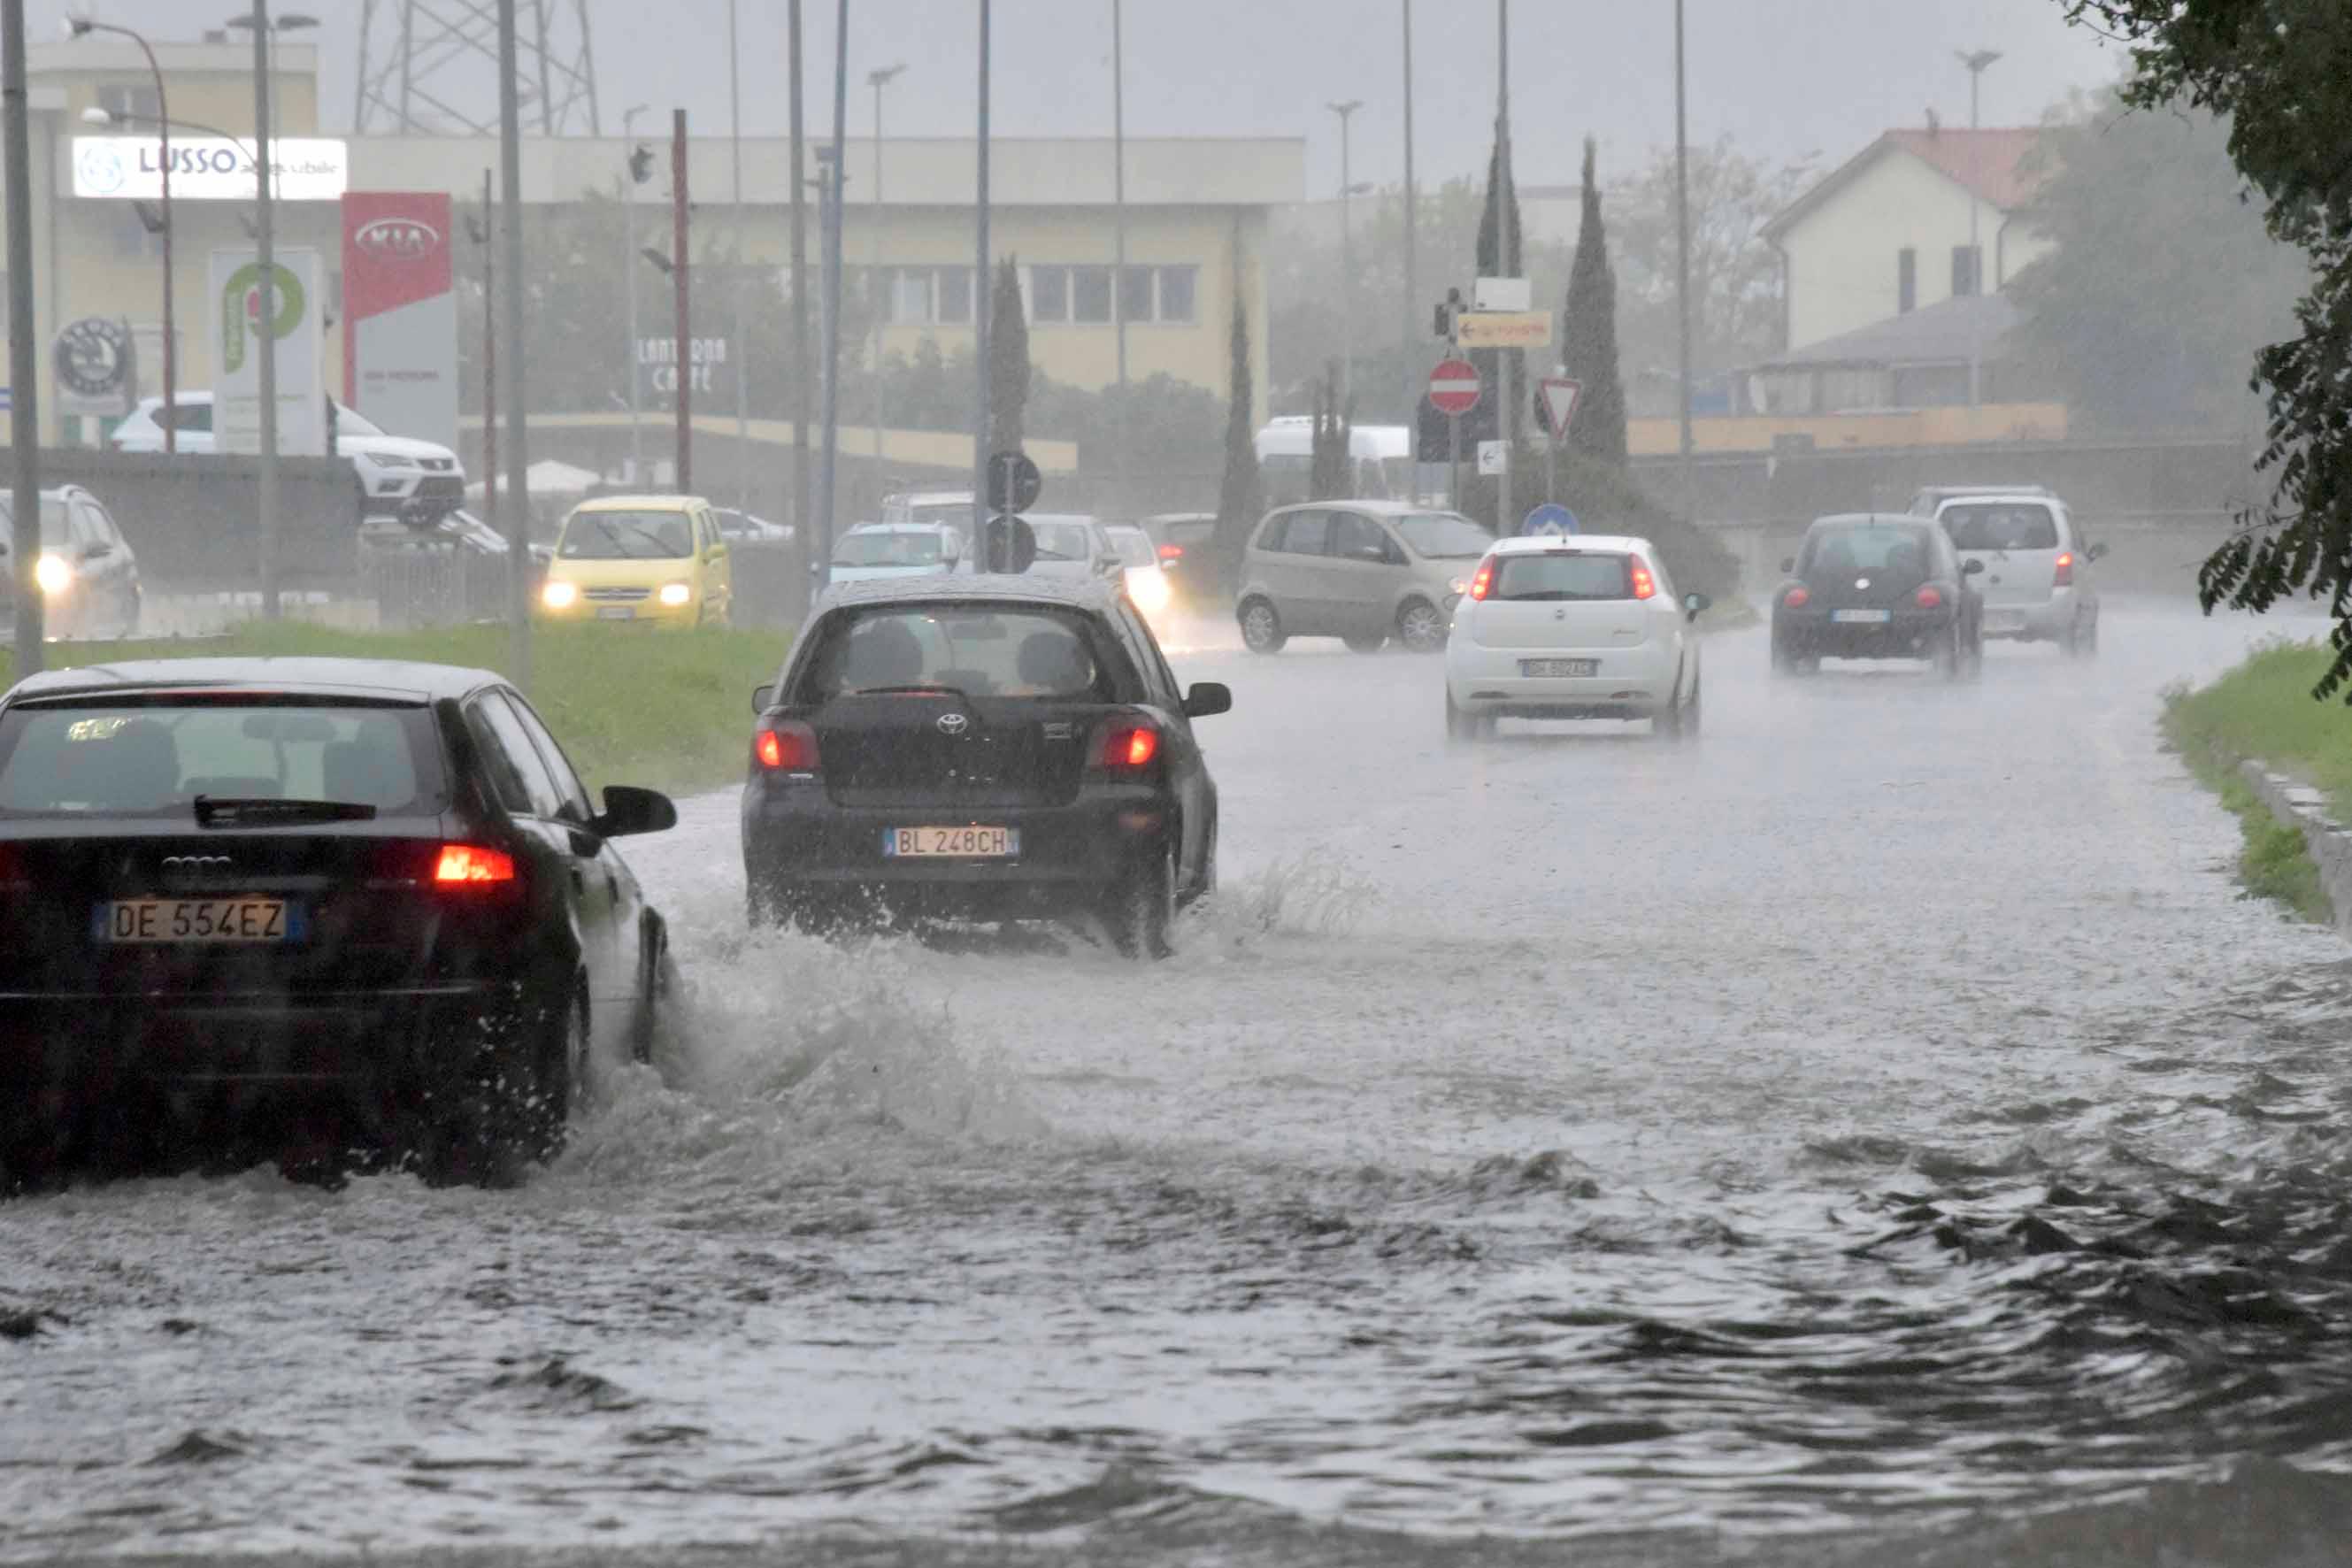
786,748
1482,581
13,875
1171,553
1797,598
2064,577
469,864
1128,746
1929,598
1645,584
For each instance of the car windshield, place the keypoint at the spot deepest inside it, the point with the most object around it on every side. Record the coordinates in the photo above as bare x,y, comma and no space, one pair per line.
627,536
147,759
1558,575
1868,547
978,651
352,422
1445,536
887,547
1062,541
2011,526
1134,546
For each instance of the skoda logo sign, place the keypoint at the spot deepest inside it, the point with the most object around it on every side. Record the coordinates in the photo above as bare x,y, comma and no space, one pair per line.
98,167
94,358
953,723
398,238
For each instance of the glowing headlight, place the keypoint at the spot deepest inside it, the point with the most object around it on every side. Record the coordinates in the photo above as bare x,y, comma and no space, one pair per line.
52,574
1148,589
673,594
559,596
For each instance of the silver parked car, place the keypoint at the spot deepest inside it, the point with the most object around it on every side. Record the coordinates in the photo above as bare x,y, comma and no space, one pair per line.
2032,567
1363,570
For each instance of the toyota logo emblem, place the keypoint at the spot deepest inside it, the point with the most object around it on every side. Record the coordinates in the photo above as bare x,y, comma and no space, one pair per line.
953,723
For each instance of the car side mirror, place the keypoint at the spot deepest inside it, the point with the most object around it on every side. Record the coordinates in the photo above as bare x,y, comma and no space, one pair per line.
762,699
1971,568
628,809
1208,699
2093,551
1789,565
1693,604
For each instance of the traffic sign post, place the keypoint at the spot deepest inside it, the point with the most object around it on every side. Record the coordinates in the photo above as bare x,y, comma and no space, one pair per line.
1551,520
1014,482
1006,542
1556,397
1453,392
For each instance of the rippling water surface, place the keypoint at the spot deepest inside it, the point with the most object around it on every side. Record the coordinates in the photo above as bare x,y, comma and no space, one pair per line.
1878,1134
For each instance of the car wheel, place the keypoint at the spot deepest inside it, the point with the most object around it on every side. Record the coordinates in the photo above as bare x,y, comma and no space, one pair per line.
1786,660
1945,655
1680,721
1206,883
1459,725
2081,639
482,1128
1366,645
656,989
1261,627
1421,628
1142,906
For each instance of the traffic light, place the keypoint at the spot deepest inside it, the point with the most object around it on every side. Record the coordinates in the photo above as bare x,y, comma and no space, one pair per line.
641,164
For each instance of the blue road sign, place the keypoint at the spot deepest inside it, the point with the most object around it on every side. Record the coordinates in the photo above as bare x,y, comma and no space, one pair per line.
1552,518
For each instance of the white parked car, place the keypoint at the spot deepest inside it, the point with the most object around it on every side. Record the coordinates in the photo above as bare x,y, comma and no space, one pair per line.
2035,576
417,481
1575,627
876,549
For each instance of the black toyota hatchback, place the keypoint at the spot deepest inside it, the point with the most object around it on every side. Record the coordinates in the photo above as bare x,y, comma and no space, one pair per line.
232,883
979,748
1877,585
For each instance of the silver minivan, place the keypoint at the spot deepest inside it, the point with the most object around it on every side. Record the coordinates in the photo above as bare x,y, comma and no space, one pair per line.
1362,571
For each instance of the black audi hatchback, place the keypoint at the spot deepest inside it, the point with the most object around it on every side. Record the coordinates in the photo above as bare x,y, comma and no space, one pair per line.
982,748
234,883
1877,585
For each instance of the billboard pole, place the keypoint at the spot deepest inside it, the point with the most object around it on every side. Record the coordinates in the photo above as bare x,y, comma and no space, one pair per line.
266,322
980,312
24,407
683,349
490,351
517,517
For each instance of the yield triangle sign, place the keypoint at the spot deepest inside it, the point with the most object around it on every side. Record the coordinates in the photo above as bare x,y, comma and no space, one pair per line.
1559,396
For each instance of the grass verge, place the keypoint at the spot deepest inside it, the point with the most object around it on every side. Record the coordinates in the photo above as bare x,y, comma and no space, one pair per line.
668,709
2263,711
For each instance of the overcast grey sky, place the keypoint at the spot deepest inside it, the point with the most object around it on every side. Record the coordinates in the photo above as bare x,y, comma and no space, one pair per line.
1784,78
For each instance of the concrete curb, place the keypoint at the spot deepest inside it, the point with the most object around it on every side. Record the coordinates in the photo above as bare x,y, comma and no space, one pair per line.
2305,809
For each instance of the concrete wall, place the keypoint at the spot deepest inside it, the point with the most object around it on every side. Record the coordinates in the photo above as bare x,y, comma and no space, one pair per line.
2328,841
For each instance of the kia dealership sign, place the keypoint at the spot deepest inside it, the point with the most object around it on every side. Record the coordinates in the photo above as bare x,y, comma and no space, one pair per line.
207,169
400,317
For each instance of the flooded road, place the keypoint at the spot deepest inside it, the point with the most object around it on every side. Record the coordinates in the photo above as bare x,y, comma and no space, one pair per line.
1881,1119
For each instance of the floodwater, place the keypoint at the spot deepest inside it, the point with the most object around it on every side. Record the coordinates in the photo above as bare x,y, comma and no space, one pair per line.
1877,1133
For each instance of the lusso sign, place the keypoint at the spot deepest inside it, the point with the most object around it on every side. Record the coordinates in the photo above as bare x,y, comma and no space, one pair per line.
208,168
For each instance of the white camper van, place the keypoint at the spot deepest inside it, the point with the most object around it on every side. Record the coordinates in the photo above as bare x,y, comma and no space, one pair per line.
1383,460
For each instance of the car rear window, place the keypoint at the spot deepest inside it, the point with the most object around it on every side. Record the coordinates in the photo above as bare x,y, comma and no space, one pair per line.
1062,541
146,759
977,650
1559,575
627,536
1134,546
1868,547
2014,526
888,548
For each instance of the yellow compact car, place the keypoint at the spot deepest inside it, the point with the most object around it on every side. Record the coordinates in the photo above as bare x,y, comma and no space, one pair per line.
649,560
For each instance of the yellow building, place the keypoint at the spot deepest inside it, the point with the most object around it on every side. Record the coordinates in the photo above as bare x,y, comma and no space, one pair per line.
1196,219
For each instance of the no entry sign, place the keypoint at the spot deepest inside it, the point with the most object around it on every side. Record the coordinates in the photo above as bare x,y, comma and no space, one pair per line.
1453,387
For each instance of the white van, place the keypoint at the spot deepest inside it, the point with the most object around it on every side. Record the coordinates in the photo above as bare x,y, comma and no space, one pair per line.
1385,470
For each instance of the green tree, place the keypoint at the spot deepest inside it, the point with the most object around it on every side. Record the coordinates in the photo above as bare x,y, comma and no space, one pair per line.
1589,335
1495,259
2280,72
1240,496
1008,361
1330,474
2163,283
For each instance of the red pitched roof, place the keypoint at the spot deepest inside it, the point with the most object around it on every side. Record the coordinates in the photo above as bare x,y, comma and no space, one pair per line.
1990,163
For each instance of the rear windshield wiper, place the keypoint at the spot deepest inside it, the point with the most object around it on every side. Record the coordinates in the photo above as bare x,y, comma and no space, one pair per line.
265,810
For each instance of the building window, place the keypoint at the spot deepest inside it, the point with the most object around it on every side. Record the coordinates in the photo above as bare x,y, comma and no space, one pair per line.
1090,294
137,104
1135,294
927,296
953,287
1049,293
1968,270
1178,285
1907,281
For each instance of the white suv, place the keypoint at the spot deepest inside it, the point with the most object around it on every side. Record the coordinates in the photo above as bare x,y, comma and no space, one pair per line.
2036,577
1575,627
418,481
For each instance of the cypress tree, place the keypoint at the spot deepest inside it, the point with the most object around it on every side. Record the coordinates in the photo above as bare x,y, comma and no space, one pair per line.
1589,336
1240,497
1008,362
1330,476
1484,423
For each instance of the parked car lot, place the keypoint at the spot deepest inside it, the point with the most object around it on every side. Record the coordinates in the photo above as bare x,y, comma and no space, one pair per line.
229,880
1362,570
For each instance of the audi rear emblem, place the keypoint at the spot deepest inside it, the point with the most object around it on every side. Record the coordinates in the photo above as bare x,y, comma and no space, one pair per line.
953,723
197,862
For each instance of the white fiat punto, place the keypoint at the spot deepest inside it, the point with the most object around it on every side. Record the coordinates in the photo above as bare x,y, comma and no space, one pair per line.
1573,627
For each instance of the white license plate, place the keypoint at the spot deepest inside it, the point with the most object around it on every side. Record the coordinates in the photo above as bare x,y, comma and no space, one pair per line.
615,613
1862,617
951,843
143,920
1558,668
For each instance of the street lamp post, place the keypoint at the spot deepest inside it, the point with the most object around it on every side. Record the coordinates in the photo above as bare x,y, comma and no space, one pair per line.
741,348
1118,242
265,247
1682,263
24,412
629,276
876,296
1976,64
79,27
1411,362
1347,253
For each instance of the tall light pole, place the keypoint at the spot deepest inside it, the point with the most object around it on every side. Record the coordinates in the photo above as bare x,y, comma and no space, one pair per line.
980,295
799,383
517,442
1976,64
276,28
1118,239
265,254
1413,388
23,411
825,473
735,274
878,297
1506,248
1682,255
1346,252
629,181
79,27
